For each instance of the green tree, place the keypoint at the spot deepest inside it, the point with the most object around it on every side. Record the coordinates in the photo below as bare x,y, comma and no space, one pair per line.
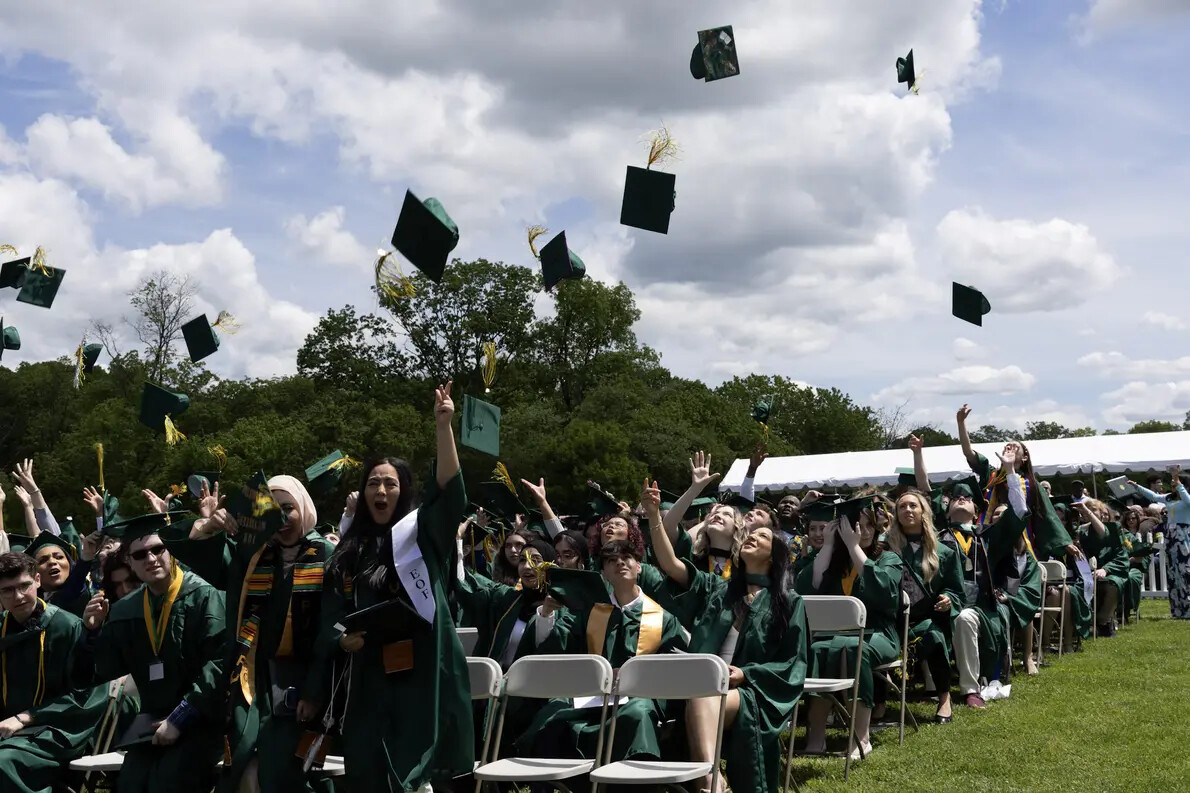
1045,431
1153,426
1083,432
358,352
163,304
989,433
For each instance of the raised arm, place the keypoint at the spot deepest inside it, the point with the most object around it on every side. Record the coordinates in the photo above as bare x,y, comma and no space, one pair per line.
823,560
552,525
748,486
700,477
919,464
965,439
448,453
31,527
1096,524
663,549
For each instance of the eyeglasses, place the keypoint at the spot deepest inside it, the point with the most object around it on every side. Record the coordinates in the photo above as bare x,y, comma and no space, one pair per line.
21,588
143,554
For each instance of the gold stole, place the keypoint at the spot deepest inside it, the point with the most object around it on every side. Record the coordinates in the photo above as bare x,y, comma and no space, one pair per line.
965,543
157,631
726,574
849,580
651,621
39,692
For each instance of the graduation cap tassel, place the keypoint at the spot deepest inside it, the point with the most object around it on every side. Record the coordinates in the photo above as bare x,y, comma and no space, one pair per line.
226,323
662,147
534,232
38,263
79,374
220,455
489,364
345,463
391,283
503,477
99,457
541,571
172,434
6,249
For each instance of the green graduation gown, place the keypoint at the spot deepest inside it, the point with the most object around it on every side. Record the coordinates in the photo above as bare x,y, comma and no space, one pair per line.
932,629
405,726
34,760
774,674
1048,533
1110,554
192,658
1022,589
1139,553
878,585
560,727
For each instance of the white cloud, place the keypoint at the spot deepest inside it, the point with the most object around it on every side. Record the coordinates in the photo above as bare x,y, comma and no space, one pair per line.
965,350
179,168
1025,266
324,237
1116,364
960,382
1163,321
1009,417
1137,401
1107,15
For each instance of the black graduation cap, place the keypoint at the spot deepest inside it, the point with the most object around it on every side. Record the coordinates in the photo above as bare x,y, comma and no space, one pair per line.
500,502
10,338
715,55
200,336
425,235
46,539
852,508
91,353
156,403
142,526
648,199
820,509
699,507
558,262
969,304
195,481
40,286
12,274
733,499
905,73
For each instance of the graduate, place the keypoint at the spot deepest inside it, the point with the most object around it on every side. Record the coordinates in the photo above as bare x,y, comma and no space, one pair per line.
571,551
170,636
757,624
44,724
408,698
1018,587
1101,538
849,564
815,515
604,614
279,663
1139,555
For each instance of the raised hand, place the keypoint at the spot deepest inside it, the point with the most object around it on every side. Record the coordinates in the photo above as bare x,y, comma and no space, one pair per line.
700,470
95,613
759,455
95,499
915,443
444,406
91,545
156,502
538,490
849,535
209,501
22,496
352,500
962,414
24,475
650,496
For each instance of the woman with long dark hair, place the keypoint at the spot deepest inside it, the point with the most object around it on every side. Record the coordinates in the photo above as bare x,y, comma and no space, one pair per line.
407,690
757,624
572,551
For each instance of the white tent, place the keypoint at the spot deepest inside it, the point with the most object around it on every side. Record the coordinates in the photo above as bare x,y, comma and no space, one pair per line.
1138,453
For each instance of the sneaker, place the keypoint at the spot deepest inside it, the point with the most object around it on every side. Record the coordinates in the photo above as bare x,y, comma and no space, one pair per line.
975,701
862,750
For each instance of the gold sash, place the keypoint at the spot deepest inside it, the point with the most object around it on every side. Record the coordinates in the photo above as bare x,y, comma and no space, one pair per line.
157,631
964,542
651,621
849,580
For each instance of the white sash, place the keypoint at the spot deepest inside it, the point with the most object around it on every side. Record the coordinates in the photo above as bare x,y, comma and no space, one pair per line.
411,568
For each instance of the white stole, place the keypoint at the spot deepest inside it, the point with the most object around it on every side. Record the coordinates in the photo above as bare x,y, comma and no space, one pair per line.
411,567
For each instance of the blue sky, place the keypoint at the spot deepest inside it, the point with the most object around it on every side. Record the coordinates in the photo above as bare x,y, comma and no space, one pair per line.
822,212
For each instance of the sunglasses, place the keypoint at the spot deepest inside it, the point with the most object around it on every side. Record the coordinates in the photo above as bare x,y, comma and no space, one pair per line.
143,553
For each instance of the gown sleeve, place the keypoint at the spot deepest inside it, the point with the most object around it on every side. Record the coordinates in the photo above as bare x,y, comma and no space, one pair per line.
1000,537
779,681
206,693
879,585
951,573
983,470
690,604
441,513
1050,537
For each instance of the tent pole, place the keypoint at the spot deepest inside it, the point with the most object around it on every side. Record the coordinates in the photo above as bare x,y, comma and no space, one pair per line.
1094,484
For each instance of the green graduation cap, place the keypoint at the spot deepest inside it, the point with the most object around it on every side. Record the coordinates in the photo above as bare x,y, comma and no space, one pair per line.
201,339
602,503
19,543
196,480
699,508
968,486
906,477
40,289
762,410
668,500
425,235
91,353
141,526
969,304
558,262
714,55
479,426
820,510
111,510
852,508
254,508
500,502
156,403
577,590
10,338
46,540
733,499
648,199
905,73
326,474
12,274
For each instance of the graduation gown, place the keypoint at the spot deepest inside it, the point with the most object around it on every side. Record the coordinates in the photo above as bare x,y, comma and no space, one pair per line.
1047,531
1139,553
405,726
932,629
1110,554
559,727
1022,589
191,655
34,760
774,674
878,585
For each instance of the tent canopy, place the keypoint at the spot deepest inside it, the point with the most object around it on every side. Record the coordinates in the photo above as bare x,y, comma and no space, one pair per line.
1115,453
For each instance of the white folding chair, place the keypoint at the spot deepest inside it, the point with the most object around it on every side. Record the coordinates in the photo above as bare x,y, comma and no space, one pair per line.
468,637
103,763
668,677
887,669
832,614
548,677
1055,571
485,676
1039,618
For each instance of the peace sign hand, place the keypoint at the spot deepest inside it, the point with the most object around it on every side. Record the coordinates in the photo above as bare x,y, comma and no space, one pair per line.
444,406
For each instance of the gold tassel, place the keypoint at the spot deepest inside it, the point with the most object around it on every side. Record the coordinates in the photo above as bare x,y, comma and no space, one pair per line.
99,457
172,434
489,365
347,463
38,263
390,281
226,323
79,375
662,147
534,232
220,455
503,477
541,571
490,549
6,248
176,491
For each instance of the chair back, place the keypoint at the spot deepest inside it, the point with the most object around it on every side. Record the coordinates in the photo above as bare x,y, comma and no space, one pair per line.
673,676
559,676
834,613
1054,570
485,677
468,637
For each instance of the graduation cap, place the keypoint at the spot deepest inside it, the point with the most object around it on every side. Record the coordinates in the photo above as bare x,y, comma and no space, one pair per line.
254,507
733,499
201,339
19,543
500,502
558,262
326,474
668,500
602,503
425,235
820,510
111,510
762,410
648,199
851,508
479,426
141,526
906,477
90,355
157,405
47,540
196,480
714,55
10,338
577,590
969,304
12,274
41,284
699,507
905,72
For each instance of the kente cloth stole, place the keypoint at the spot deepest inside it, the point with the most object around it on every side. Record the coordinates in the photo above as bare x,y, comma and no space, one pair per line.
651,621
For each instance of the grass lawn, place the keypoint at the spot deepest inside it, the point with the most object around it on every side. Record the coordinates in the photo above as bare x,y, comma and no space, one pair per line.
1115,716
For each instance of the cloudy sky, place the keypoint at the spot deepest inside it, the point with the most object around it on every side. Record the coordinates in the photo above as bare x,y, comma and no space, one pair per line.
822,212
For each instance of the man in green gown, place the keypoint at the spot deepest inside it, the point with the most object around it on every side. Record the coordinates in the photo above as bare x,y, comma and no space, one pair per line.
44,724
169,635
